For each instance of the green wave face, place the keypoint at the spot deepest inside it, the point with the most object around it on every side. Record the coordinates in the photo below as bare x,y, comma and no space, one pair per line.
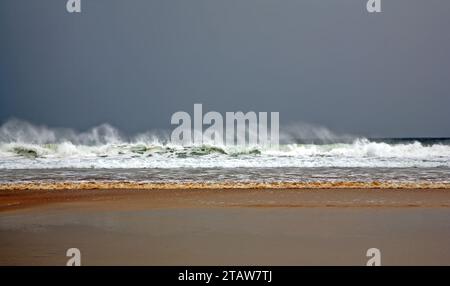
25,152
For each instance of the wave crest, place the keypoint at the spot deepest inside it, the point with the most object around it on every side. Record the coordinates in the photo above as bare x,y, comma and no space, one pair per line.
24,145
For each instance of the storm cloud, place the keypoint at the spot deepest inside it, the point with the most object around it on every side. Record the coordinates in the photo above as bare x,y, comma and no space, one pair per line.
132,64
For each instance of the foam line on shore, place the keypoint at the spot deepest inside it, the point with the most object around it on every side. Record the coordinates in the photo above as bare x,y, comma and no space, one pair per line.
108,185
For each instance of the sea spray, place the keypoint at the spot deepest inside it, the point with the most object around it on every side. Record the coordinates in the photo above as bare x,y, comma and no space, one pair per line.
26,146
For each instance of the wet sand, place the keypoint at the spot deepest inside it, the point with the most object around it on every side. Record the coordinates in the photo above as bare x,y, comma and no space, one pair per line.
225,227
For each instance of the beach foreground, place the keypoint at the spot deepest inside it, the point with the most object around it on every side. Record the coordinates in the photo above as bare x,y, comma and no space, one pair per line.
225,227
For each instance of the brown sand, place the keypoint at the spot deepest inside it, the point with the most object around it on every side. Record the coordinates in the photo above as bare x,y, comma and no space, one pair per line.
218,227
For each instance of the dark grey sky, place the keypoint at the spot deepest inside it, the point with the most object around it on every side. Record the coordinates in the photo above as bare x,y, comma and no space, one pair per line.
134,63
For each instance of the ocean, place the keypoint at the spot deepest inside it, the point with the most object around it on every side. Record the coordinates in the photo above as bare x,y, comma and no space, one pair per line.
54,161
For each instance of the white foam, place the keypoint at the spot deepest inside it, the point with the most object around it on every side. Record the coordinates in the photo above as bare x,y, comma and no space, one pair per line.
23,146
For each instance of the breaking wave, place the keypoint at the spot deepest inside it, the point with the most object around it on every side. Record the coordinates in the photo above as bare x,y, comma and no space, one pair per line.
24,145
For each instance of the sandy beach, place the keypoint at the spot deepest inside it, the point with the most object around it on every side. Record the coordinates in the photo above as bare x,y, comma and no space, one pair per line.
225,227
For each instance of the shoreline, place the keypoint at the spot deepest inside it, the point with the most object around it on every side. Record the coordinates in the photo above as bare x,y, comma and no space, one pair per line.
232,185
